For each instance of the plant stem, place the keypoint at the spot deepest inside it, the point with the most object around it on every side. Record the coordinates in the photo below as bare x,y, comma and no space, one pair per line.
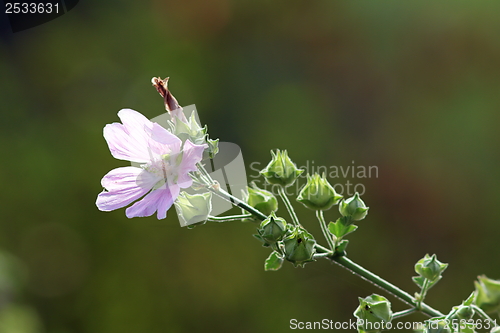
342,261
289,206
483,314
228,218
383,284
237,202
326,233
403,313
423,293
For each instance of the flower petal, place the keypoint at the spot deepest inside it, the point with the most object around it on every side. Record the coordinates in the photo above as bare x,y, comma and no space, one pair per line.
129,141
163,141
163,136
124,185
160,199
192,154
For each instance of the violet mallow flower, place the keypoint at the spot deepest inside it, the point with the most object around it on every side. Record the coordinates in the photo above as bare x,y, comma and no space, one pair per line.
164,163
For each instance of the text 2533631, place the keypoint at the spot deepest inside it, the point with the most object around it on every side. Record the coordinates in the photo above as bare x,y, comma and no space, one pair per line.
31,8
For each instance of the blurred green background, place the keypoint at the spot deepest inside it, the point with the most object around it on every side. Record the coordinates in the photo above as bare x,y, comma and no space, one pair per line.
411,87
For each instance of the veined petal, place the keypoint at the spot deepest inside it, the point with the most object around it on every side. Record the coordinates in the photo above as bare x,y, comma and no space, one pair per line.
158,200
192,154
163,141
123,186
163,136
167,201
129,141
135,123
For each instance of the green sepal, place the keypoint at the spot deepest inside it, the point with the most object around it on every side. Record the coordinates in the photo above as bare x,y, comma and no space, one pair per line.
419,281
341,246
193,209
341,227
318,194
272,229
260,199
273,262
264,243
190,130
299,247
374,310
464,311
213,148
431,268
281,170
487,294
353,207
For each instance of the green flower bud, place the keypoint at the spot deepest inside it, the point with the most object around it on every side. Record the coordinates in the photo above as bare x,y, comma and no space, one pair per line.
318,194
487,294
353,207
213,148
281,170
262,200
373,313
190,130
465,313
430,268
272,229
193,209
299,247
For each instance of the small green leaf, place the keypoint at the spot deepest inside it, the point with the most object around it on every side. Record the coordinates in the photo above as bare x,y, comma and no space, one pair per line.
264,244
340,228
340,248
273,262
469,300
419,281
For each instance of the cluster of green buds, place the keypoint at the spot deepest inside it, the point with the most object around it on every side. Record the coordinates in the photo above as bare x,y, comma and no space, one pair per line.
294,244
292,241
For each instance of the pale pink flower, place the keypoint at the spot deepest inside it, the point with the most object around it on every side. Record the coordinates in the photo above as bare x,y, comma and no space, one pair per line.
164,169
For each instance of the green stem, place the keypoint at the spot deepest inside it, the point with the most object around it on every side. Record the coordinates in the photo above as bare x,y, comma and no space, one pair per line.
342,261
237,202
326,233
483,314
228,218
289,206
383,284
423,293
205,174
320,255
403,313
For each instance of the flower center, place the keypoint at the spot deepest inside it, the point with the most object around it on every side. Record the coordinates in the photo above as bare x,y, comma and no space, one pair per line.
165,169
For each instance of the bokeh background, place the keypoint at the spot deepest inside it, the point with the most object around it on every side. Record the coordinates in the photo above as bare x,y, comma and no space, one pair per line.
411,87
